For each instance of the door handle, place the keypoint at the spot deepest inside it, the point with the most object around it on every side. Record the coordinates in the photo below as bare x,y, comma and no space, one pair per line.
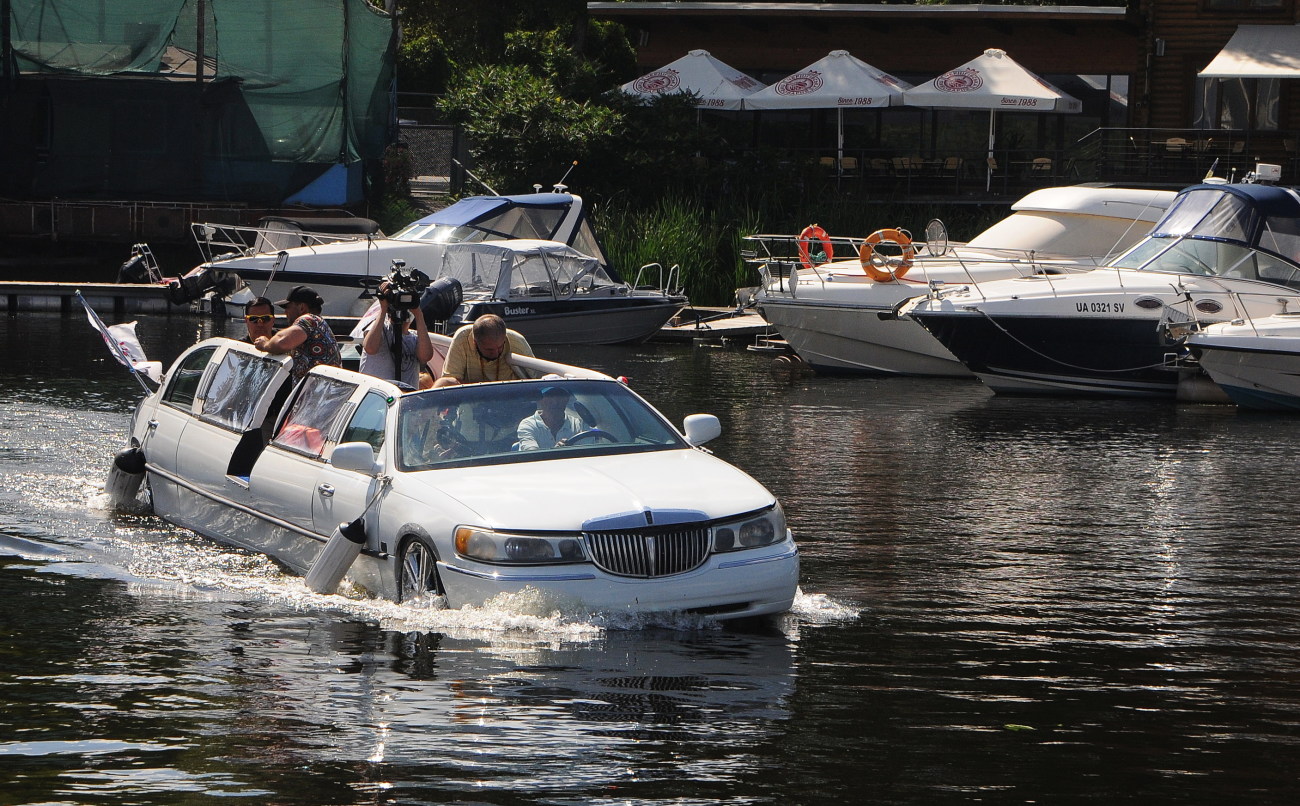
326,490
153,424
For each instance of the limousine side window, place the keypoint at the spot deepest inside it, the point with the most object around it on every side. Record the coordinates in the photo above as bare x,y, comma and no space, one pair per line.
367,425
236,386
184,382
316,407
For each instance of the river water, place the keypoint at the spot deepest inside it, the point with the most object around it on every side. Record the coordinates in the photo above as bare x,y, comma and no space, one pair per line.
1002,600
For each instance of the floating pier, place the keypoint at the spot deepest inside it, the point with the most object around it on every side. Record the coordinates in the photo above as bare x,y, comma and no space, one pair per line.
122,299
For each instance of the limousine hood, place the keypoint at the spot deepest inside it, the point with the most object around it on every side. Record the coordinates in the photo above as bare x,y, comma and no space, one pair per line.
526,496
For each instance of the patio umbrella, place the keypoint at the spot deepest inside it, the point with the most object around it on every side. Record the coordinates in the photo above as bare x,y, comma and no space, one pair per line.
837,81
719,85
992,81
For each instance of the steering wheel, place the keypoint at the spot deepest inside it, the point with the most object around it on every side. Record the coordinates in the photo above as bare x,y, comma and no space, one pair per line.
590,433
451,442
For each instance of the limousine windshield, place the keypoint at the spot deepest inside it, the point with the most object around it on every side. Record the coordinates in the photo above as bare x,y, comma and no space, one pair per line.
479,424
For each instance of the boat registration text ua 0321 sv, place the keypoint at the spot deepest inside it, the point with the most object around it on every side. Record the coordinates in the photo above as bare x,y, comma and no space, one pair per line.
571,484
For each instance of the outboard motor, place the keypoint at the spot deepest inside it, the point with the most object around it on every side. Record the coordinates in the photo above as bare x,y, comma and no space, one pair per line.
140,267
201,281
441,299
336,557
125,478
134,270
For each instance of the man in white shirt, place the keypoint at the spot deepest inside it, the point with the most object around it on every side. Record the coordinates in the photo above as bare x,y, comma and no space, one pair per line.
552,424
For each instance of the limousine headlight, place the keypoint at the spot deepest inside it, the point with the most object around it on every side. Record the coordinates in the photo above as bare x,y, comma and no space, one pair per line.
488,546
763,529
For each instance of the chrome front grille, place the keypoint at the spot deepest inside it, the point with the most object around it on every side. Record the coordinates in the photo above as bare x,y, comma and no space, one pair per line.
648,554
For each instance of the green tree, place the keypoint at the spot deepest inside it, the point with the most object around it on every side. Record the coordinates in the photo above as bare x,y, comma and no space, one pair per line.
522,129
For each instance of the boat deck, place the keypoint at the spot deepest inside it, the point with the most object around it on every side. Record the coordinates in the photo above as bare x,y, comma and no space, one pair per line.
716,325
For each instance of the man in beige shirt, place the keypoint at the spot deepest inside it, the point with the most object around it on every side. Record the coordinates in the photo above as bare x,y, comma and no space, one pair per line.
481,352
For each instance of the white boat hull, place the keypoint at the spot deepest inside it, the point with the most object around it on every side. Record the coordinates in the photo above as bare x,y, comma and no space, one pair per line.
1257,363
850,338
837,318
1101,333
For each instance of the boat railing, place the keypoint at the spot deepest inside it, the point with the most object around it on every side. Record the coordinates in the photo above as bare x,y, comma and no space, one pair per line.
221,240
667,281
776,258
1247,307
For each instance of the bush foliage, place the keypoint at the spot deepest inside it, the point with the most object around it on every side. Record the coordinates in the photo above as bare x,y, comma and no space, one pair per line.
533,85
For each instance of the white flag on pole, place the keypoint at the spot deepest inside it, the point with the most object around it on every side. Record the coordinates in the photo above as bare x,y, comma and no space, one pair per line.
123,344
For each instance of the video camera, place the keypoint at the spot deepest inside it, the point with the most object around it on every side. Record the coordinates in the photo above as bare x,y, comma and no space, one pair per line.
405,286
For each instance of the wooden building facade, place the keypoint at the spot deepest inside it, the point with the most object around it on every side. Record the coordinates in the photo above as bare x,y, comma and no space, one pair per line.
1164,121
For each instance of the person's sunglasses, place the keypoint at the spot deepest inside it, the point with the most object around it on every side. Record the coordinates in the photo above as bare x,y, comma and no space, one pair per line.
260,317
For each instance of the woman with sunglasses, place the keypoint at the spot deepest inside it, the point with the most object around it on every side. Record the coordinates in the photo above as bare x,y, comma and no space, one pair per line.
259,316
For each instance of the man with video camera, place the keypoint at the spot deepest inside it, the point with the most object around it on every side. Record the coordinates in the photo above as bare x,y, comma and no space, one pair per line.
389,350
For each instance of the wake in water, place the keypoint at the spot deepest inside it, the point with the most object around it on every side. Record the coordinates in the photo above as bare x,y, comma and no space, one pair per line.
156,552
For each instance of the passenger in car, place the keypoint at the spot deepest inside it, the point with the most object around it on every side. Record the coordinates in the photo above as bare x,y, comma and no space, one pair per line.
552,424
389,349
259,318
481,352
308,336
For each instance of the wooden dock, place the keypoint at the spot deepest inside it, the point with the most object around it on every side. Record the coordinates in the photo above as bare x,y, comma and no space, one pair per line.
717,325
118,300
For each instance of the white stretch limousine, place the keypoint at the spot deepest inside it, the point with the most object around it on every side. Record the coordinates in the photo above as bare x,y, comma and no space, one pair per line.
432,492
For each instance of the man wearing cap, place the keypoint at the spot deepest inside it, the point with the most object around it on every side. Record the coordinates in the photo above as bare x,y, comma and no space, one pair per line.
481,352
552,424
308,336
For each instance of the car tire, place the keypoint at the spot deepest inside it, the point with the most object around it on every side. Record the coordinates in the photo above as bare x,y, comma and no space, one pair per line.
417,570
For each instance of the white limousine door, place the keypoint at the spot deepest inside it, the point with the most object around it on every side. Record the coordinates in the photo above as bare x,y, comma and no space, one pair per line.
284,480
343,495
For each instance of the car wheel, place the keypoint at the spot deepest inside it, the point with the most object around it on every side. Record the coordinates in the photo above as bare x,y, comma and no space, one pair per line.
417,571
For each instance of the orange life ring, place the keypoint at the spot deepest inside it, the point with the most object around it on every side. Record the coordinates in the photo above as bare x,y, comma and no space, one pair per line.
809,232
884,268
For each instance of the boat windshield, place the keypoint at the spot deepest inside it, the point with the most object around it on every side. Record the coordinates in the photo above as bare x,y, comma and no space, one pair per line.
542,217
1211,259
1212,233
487,219
491,423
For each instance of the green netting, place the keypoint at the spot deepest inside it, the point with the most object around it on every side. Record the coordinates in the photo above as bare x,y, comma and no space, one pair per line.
300,81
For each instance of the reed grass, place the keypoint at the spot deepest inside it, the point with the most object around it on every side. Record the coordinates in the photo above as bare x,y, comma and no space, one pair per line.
705,236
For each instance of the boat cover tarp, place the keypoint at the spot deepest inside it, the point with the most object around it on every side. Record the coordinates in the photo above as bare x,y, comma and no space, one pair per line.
477,208
110,91
332,226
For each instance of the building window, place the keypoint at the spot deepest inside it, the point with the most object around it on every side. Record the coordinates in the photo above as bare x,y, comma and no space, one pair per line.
1237,103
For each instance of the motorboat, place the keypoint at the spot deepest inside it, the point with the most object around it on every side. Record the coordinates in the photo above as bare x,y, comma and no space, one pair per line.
345,267
345,477
1221,252
1256,362
552,293
838,315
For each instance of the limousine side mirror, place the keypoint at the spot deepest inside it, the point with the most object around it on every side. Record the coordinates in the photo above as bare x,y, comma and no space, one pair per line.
358,456
700,428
